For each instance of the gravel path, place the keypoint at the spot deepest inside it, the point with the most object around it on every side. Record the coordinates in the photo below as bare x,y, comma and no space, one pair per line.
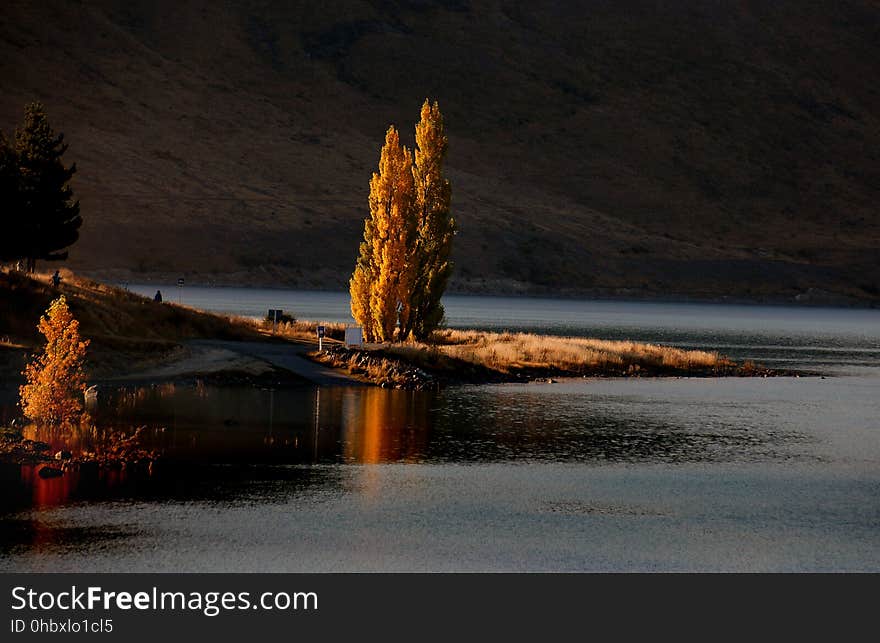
290,356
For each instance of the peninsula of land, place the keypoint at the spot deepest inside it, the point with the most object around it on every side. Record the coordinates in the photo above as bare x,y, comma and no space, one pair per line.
135,339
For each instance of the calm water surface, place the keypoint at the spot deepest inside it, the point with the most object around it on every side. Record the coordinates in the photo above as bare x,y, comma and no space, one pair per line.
664,474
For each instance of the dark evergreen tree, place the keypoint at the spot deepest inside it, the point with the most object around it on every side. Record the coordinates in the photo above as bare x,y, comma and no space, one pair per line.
10,210
50,217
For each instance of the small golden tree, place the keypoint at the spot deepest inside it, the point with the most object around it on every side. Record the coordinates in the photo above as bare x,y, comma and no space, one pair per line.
56,378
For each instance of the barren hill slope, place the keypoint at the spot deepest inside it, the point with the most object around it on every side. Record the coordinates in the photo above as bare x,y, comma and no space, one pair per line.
620,148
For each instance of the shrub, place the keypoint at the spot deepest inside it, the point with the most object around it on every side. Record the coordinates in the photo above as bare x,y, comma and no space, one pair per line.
55,384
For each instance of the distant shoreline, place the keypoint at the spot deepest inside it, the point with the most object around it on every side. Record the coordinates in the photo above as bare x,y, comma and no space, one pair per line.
818,299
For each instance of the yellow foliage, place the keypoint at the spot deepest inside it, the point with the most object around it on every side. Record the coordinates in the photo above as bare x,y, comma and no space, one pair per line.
381,272
435,225
403,265
359,286
56,379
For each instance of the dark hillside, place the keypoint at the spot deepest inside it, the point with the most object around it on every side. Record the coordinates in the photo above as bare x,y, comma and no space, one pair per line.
617,148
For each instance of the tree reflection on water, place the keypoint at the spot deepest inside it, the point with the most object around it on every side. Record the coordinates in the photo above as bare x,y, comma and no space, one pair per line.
200,431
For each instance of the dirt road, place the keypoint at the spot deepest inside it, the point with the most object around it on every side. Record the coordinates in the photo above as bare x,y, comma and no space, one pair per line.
206,356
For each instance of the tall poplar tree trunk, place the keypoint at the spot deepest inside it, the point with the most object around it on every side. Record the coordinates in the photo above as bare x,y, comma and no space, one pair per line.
436,227
381,269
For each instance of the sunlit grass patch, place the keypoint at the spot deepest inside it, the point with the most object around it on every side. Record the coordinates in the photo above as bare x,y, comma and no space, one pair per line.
507,352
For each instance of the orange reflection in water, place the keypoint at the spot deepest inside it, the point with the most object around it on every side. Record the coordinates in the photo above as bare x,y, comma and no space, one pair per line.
74,438
384,425
49,491
61,489
77,439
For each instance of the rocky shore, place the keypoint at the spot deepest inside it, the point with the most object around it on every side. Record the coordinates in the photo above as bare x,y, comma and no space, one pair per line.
388,369
120,452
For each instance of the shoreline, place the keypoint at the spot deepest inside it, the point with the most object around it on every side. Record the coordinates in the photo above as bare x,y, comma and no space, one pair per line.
136,340
810,298
400,366
429,367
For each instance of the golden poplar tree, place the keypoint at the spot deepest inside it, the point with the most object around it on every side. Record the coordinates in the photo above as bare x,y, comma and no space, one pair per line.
361,285
361,282
56,379
436,227
381,272
404,262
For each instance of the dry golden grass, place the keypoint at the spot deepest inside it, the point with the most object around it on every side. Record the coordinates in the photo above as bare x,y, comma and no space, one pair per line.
513,352
104,311
475,356
300,330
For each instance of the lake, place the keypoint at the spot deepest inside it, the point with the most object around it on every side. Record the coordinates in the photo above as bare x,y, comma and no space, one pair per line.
677,474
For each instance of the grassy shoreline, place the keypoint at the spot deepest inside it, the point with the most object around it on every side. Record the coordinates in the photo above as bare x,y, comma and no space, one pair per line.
471,356
130,332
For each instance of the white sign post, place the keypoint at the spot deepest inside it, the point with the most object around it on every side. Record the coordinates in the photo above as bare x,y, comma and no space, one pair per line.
320,338
354,336
275,315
